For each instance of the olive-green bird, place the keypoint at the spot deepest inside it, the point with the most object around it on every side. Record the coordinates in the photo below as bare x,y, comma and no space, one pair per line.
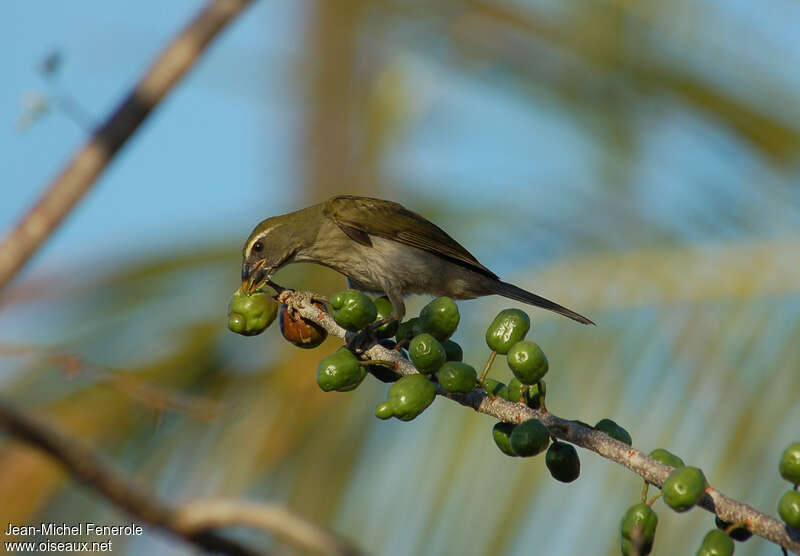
380,246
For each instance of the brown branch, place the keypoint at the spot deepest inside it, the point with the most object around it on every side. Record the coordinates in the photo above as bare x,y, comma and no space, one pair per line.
193,521
90,161
199,515
87,466
728,509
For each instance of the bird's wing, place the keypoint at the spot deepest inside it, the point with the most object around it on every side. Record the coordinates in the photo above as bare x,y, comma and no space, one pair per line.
361,217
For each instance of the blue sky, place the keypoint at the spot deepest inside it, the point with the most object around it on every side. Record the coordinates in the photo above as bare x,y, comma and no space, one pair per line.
199,169
221,152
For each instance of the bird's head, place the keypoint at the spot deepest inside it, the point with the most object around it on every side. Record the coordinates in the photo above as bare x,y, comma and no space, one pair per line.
272,244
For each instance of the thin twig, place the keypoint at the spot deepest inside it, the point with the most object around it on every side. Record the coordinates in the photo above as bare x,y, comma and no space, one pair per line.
488,366
89,162
654,498
193,521
655,473
154,397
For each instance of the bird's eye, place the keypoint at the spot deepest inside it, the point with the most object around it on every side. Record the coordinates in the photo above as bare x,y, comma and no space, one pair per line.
258,246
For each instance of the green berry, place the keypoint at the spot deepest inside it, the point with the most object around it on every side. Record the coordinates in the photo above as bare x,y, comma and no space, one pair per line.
527,361
716,543
515,391
638,527
455,376
563,462
613,430
249,315
666,457
340,371
536,393
503,392
790,463
530,438
353,310
495,388
237,323
409,329
410,395
740,534
453,350
427,353
789,508
440,318
501,432
508,327
384,308
384,411
684,488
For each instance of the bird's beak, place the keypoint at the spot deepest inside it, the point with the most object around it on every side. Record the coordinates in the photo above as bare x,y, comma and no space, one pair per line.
253,276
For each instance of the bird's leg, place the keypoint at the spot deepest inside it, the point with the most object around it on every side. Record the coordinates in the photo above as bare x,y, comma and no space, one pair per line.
398,308
287,292
278,288
371,328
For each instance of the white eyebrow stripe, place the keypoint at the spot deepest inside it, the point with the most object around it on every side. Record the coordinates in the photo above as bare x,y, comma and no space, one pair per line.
259,236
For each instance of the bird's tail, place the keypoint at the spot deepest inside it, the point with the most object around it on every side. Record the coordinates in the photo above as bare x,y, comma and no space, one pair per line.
513,292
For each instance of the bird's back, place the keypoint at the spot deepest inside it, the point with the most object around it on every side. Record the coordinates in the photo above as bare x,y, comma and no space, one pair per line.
361,217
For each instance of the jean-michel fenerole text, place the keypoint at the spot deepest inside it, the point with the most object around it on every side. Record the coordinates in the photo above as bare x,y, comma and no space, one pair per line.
78,529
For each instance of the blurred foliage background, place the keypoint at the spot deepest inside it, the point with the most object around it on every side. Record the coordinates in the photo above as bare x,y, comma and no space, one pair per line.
636,161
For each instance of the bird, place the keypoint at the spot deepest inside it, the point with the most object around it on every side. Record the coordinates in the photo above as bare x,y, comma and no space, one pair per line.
380,247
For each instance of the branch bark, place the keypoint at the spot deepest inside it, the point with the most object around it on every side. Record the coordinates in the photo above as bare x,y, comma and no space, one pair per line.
200,515
193,521
90,161
655,473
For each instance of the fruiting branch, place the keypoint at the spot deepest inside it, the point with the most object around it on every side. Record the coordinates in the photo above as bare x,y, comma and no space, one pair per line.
655,473
193,521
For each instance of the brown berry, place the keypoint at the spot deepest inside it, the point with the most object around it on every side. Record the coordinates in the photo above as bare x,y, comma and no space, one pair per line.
303,333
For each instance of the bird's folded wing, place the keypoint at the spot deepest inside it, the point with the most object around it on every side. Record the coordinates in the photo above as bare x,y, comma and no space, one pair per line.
361,217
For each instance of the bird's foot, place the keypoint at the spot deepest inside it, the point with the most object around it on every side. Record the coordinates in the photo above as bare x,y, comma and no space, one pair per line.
294,299
363,340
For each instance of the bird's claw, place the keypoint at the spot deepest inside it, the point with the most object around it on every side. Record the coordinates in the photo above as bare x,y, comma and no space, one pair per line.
361,341
294,299
286,296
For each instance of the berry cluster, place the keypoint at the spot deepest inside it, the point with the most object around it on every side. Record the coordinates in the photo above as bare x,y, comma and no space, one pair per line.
789,504
425,341
683,488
